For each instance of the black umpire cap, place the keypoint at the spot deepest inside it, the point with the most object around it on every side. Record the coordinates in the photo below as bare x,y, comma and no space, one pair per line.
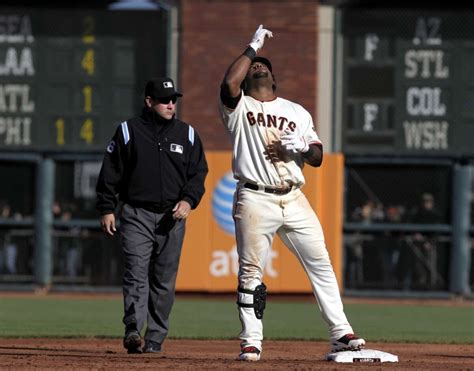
161,87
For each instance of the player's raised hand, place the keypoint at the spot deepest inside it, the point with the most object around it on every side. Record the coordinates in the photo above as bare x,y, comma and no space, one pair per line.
294,143
259,38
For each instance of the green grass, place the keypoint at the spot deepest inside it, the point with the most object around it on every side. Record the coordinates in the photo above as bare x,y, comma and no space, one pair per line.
218,319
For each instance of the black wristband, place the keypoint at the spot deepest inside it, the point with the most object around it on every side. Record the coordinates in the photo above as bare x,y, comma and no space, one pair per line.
250,53
310,152
314,155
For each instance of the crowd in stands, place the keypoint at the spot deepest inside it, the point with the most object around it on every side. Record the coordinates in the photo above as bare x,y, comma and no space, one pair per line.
376,212
393,259
16,246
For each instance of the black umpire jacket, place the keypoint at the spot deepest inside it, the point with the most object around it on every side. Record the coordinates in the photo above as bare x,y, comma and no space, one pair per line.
152,163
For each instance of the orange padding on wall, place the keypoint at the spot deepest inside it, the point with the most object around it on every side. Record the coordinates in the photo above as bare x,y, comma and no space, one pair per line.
209,258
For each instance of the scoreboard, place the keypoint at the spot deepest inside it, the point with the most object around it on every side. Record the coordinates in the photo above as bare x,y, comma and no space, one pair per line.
408,82
69,77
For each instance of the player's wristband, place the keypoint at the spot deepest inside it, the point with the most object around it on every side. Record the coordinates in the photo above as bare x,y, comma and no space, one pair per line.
314,155
250,53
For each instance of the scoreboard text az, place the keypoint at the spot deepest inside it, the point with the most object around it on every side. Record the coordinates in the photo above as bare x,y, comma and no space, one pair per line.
408,82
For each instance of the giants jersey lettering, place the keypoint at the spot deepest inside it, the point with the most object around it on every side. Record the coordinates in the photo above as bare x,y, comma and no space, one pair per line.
255,128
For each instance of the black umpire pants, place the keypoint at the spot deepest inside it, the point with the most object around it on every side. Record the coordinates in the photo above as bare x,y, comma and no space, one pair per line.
152,248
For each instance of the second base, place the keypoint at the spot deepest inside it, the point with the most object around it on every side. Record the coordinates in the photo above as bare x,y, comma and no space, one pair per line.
363,355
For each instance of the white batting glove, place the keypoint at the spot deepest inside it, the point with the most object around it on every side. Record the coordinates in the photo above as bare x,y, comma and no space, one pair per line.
294,143
259,38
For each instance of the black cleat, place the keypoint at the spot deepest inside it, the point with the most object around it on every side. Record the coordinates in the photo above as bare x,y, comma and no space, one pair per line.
132,341
138,350
152,347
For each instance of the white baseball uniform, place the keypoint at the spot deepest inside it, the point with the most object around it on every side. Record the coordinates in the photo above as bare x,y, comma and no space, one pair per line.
255,128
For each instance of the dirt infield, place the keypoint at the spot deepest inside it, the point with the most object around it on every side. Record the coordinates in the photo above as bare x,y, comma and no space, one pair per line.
107,354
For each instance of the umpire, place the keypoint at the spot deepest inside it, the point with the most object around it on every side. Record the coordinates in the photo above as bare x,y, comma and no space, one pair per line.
156,165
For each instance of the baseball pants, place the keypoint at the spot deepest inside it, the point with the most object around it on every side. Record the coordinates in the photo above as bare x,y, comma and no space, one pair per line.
258,217
152,248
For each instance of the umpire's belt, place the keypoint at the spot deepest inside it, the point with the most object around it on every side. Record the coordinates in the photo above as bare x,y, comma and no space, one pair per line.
276,191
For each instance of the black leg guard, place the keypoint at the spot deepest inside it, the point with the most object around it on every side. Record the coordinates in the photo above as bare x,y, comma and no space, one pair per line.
259,299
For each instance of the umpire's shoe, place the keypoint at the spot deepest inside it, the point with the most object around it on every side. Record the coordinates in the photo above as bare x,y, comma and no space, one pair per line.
347,342
132,340
152,347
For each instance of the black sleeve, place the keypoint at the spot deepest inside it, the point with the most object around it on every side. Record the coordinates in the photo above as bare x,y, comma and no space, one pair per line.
111,174
227,100
314,156
196,174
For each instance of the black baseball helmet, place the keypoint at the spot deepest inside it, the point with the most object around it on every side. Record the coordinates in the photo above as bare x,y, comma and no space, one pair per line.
263,60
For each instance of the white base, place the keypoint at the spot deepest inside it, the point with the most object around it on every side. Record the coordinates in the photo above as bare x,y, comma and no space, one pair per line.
363,355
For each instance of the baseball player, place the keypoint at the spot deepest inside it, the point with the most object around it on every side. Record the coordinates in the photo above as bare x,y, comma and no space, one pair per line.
272,138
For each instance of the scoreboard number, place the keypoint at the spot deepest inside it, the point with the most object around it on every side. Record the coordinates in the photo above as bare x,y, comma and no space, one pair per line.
60,132
88,63
87,131
68,77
